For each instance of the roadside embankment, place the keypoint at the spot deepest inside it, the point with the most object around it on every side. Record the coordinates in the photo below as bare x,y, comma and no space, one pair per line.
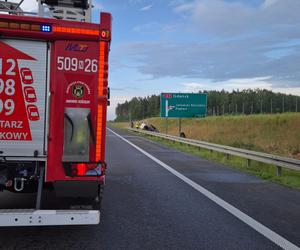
275,134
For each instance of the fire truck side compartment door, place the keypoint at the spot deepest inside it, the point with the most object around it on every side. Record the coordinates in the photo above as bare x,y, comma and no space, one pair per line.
23,99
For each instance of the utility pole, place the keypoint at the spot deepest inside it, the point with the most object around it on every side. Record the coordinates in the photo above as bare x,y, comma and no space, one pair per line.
271,106
129,115
261,106
282,104
296,104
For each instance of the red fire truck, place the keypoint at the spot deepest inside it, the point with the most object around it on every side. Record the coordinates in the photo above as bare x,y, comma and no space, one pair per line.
53,101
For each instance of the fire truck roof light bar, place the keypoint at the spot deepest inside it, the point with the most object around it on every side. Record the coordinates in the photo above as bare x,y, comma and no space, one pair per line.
26,26
17,217
48,28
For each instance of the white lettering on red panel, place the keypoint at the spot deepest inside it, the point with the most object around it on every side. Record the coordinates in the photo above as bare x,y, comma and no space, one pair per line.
17,96
73,64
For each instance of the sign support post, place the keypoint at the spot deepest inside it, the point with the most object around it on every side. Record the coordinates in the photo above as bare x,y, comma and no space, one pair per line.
179,129
167,114
166,125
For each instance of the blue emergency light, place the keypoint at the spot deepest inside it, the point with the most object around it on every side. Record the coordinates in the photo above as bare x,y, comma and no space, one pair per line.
46,28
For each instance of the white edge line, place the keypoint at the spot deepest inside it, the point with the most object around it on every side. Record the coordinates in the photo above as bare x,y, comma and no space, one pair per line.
260,228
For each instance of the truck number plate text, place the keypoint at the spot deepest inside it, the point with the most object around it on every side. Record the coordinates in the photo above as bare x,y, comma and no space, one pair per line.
74,64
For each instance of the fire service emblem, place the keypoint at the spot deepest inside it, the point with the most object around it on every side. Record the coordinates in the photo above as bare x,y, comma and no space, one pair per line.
78,90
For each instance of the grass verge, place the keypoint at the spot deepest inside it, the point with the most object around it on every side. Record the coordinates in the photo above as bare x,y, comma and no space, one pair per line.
277,134
119,125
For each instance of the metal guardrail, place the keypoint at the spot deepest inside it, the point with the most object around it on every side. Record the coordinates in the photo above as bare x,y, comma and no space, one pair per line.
278,161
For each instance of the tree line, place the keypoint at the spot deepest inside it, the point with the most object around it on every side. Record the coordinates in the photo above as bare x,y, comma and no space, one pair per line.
218,103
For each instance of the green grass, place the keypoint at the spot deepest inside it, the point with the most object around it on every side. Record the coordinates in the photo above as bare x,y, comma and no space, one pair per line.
120,125
264,171
275,134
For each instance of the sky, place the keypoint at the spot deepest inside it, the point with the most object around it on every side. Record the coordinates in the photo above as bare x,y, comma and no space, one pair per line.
191,45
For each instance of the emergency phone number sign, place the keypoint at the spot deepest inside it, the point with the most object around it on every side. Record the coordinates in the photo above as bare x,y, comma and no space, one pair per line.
17,95
183,105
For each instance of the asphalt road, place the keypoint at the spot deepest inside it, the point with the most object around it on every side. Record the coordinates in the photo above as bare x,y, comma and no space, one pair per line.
147,207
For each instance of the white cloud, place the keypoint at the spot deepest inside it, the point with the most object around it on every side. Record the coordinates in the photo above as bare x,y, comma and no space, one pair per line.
229,85
268,3
147,7
237,84
219,61
192,87
148,28
288,91
227,18
113,104
226,40
97,6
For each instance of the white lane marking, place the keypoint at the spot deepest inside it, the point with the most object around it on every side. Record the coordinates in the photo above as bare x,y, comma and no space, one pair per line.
260,228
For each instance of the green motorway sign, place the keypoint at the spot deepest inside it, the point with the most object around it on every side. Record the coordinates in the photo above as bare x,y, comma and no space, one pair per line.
181,105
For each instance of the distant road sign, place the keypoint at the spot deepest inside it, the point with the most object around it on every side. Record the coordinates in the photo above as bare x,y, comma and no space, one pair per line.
182,105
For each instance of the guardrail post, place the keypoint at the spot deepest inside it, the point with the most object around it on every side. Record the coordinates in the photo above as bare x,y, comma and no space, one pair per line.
248,163
279,170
